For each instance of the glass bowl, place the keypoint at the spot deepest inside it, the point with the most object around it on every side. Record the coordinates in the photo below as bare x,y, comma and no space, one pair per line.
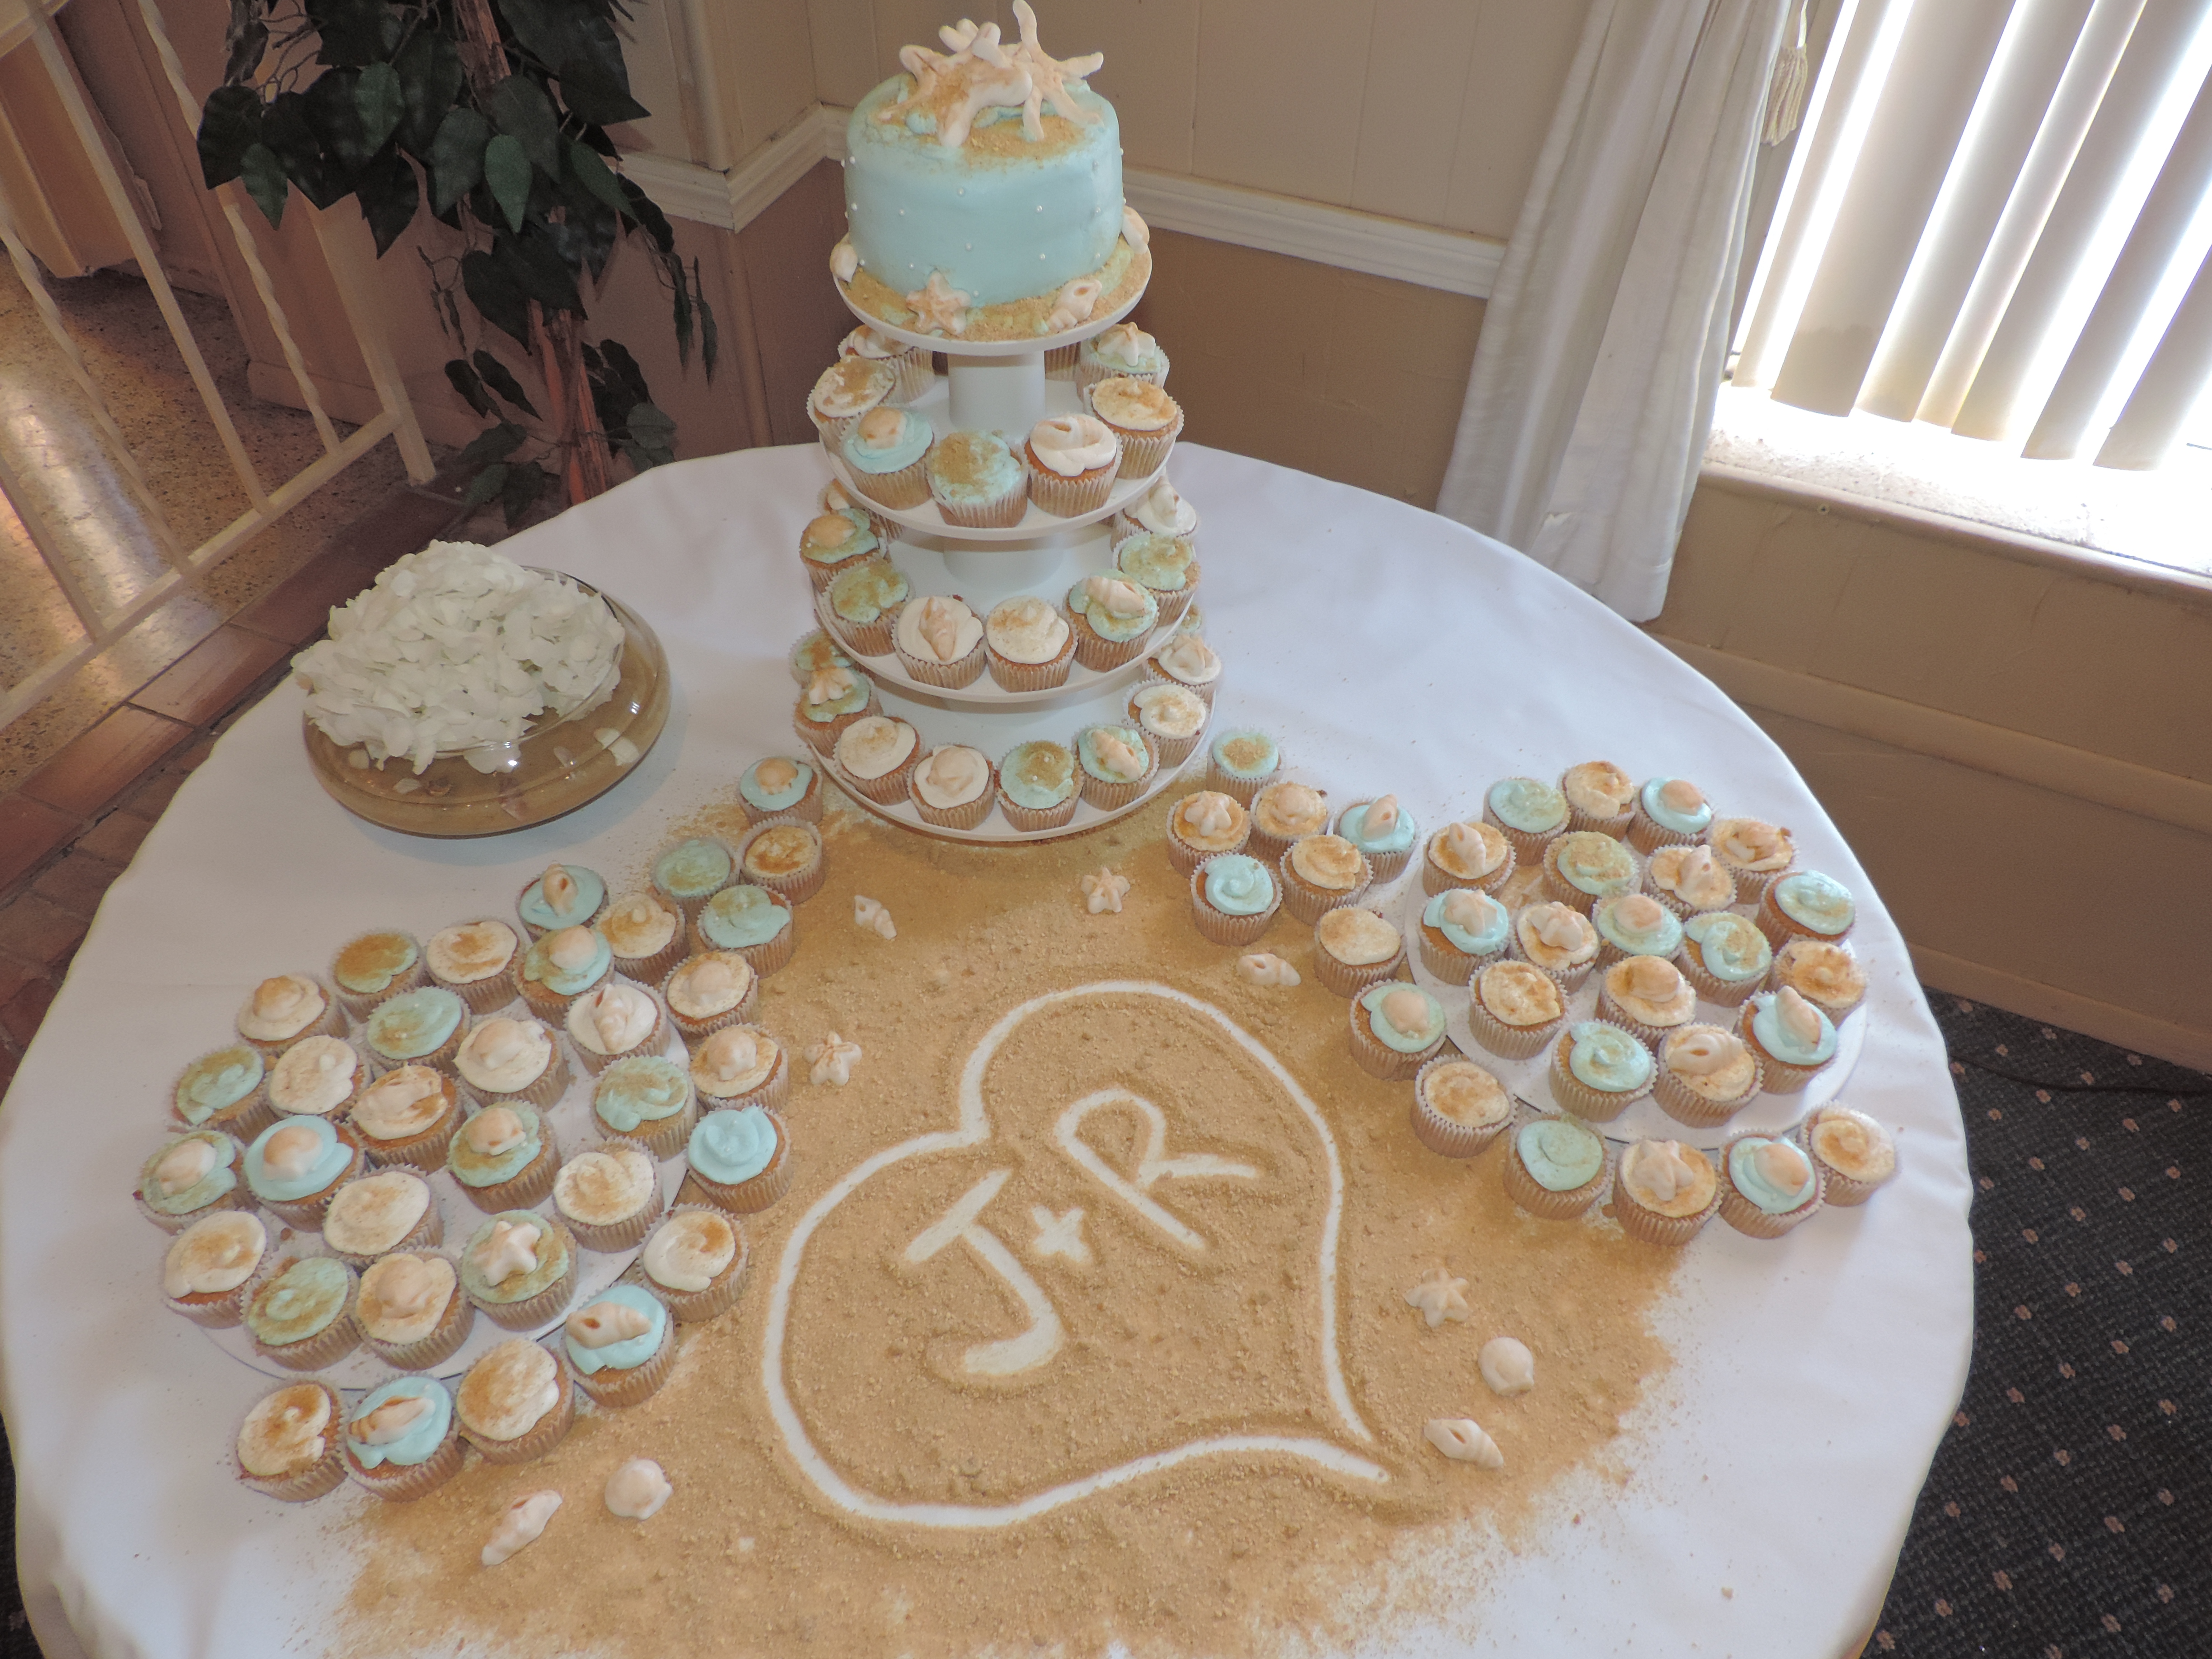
494,788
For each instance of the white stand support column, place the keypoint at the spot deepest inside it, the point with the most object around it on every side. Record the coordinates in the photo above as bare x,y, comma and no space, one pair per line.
997,394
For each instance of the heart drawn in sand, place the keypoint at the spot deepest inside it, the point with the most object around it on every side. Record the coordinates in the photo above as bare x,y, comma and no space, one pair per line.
1161,1276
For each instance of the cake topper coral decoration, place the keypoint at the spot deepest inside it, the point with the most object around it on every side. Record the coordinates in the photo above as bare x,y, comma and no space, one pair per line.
980,73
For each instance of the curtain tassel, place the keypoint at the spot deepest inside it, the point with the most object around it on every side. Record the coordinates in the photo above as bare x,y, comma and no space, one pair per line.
1785,92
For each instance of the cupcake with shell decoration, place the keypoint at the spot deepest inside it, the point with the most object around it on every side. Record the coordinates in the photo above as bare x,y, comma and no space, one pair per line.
413,1315
515,1403
1855,1155
1768,1185
1583,868
694,1262
887,451
1037,788
620,1347
830,701
207,1266
290,1445
833,542
1142,416
1706,1076
1469,854
1114,764
910,363
1664,1192
1160,511
1166,566
1395,1030
1028,645
1725,957
646,935
1558,940
951,787
741,1066
561,966
1634,925
1123,350
1647,997
1384,830
1669,812
402,1440
285,1007
1320,874
704,993
836,498
189,1176
814,652
1601,798
1458,1107
1186,661
1112,618
1688,879
1463,931
1754,852
1173,717
318,1077
565,895
1827,975
1072,461
294,1167
779,789
977,482
1284,811
504,1158
1792,1040
407,1117
845,392
753,921
509,1062
939,641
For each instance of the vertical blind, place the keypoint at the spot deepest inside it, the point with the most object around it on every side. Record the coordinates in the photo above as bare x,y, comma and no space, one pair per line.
1998,219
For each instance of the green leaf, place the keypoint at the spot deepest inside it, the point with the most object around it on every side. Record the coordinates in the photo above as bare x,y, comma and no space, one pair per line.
498,298
648,213
526,481
593,174
430,78
464,382
335,119
485,485
243,42
520,109
506,172
264,177
353,31
538,271
380,101
683,295
457,157
710,333
652,431
499,379
388,196
595,97
230,124
495,444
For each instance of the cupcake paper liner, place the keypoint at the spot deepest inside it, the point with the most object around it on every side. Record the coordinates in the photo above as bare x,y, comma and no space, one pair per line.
539,1438
325,1474
888,790
1377,1058
1650,1035
526,1188
905,488
1573,1095
1746,1217
1348,979
215,1312
617,1390
549,1303
1693,1110
1777,1077
748,1197
869,639
1027,819
1144,453
1647,835
697,1307
1186,858
1508,1041
1751,886
800,885
1441,1134
1435,879
1070,498
1543,1203
1616,825
953,675
1721,993
1001,514
1101,655
1010,676
1528,845
966,815
1172,751
401,1484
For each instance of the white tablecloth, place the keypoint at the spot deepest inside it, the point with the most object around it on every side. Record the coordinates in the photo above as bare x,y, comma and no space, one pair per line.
1391,649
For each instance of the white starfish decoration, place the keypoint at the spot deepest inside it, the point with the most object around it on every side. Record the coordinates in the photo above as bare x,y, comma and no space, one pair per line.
1265,967
980,75
1439,1297
1052,80
871,914
937,306
511,1249
1060,1236
832,1059
1104,892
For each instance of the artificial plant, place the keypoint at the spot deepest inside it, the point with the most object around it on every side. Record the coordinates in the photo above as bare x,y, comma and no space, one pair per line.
492,114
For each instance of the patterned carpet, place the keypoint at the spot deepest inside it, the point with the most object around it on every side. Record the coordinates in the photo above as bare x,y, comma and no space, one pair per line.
2069,1513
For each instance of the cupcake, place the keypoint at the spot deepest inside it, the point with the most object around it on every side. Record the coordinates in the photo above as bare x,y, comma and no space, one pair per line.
846,390
692,871
374,1214
617,1020
1706,1076
1463,931
1768,1185
504,1158
750,920
610,1196
1664,1191
1383,830
1203,825
519,1269
1827,975
373,966
1599,1071
786,857
1165,566
741,1159
1467,855
402,1441
864,605
939,641
226,1089
566,895
1189,661
207,1266
1145,420
1071,460
559,966
1111,618
1792,1040
706,991
1036,786
1355,948
887,451
290,1447
694,1262
621,1347
1755,852
474,960
510,1062
910,364
741,1066
1321,872
976,482
1601,798
1688,879
1028,645
833,542
1805,904
647,1099
1634,925
951,787
317,1077
294,1167
407,1116
412,1313
1171,717
1240,762
1669,812
1528,813
1122,351
829,702
1514,1010
1556,1169
814,653
1558,940
1647,997
1113,765
1396,1028
1855,1154
285,1008
421,1027
875,755
1233,898
1158,511
836,498
777,790
1725,957
1284,811
1458,1107
515,1403
299,1312
1583,868
193,1175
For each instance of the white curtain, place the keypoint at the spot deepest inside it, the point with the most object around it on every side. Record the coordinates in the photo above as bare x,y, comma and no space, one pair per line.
1601,352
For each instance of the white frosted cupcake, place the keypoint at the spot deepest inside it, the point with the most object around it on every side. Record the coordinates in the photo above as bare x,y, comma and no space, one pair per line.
1688,879
1160,511
1827,975
1754,852
206,1269
1072,460
951,787
1556,940
1601,798
785,858
1647,997
910,363
1203,825
1664,1192
1514,1010
288,1448
846,390
617,1020
939,641
374,1214
1142,415
507,1062
1284,811
1189,661
610,1196
285,1008
876,757
1467,855
515,1403
1353,948
1028,644
1854,1153
318,1077
1173,717
694,1262
1706,1076
407,1116
412,1313
1123,350
741,1066
1458,1107
706,991
1320,874
473,959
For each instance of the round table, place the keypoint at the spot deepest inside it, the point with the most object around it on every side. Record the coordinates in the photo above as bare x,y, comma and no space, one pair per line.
1775,1467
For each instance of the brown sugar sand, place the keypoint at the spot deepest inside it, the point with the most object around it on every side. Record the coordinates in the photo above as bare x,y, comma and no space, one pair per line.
1120,1257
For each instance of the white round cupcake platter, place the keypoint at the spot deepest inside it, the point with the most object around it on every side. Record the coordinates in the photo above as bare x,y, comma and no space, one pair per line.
999,350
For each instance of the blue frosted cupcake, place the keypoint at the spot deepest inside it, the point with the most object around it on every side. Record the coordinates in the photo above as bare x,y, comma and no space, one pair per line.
647,1098
519,1269
299,1312
1383,830
832,700
813,654
750,920
1112,618
1583,868
1167,565
1724,956
834,542
566,895
1240,761
740,1159
886,450
1556,1169
864,603
228,1090
1599,1071
1463,931
620,1345
1806,904
1634,925
504,1158
559,966
692,871
1396,1028
1528,813
1036,786
1768,1185
1115,764
402,1440
296,1166
976,482
1233,897
1791,1038
780,790
193,1175
1669,812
